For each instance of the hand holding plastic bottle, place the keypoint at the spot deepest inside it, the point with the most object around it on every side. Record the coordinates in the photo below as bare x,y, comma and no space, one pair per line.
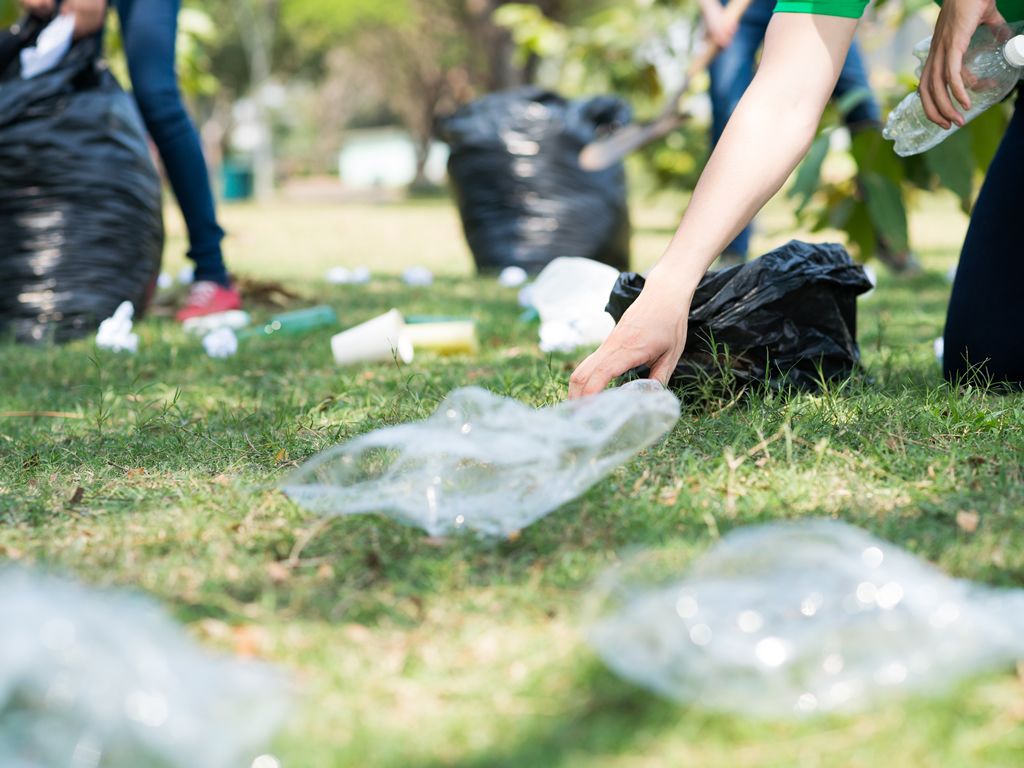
943,71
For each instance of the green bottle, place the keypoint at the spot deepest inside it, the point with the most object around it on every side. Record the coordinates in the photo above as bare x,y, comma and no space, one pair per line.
294,323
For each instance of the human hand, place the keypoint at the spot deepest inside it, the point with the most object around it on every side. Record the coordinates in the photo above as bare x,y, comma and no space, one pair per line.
652,332
720,26
89,15
943,70
42,9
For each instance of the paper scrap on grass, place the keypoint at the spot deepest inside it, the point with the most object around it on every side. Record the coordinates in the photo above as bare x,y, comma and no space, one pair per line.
115,333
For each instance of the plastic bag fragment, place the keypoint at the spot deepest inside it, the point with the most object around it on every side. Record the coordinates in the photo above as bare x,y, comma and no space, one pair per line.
107,679
523,198
796,618
485,463
788,317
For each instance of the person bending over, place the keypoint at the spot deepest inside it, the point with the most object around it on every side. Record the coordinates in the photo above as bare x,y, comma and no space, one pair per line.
149,29
772,128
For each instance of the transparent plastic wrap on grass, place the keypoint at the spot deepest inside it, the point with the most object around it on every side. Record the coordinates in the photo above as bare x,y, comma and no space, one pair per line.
792,619
485,463
108,680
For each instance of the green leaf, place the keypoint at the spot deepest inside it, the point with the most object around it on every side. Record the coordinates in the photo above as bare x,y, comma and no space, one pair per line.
884,202
952,162
808,177
986,132
874,154
861,230
853,99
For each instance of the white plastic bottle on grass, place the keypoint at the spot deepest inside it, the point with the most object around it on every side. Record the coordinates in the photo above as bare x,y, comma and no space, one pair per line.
993,69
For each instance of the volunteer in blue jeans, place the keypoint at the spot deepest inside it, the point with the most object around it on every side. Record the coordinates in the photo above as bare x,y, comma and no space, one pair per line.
733,70
149,30
771,130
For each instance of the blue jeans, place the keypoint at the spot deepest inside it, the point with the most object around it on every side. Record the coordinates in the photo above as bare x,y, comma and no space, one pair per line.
733,70
149,29
985,322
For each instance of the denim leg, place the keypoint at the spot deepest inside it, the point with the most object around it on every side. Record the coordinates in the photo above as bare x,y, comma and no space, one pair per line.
985,322
149,29
854,76
731,73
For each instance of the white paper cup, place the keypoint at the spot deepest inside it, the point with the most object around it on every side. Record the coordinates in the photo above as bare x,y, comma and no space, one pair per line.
447,338
379,340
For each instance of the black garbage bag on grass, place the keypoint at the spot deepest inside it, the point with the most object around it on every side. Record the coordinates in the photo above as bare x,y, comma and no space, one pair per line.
524,200
81,224
787,318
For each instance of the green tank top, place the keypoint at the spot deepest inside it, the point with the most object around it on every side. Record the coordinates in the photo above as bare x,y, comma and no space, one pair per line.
1012,10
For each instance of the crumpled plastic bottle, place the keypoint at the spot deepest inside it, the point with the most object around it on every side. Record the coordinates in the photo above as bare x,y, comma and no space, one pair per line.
793,619
96,678
993,66
485,463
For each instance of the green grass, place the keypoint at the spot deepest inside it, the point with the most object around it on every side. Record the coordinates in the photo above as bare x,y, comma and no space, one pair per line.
408,652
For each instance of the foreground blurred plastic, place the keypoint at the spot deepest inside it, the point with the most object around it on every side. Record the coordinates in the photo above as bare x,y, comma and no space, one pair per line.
485,463
107,680
81,226
570,297
789,317
993,67
524,199
797,618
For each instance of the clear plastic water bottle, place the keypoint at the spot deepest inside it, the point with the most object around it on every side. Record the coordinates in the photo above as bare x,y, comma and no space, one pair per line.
995,67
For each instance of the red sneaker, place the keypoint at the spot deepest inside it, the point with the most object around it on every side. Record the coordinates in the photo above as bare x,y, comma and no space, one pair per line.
209,298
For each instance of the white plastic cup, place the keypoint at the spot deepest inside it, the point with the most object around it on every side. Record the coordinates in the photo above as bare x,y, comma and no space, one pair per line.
444,338
379,340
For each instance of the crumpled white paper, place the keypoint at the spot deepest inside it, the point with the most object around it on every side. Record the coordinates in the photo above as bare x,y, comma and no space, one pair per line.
115,333
418,276
570,295
221,343
512,277
51,46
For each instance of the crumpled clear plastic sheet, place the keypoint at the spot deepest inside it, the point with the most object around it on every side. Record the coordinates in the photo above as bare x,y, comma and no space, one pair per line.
792,619
108,680
485,463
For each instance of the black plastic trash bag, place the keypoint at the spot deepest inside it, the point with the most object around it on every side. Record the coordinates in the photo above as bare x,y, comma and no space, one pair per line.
523,198
787,318
81,223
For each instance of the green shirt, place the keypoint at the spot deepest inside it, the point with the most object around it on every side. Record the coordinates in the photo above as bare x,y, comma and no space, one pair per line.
1013,10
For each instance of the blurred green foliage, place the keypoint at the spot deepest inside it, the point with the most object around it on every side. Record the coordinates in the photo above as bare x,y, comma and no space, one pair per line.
612,51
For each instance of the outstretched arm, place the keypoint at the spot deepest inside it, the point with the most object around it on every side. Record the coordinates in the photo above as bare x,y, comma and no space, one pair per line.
769,133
